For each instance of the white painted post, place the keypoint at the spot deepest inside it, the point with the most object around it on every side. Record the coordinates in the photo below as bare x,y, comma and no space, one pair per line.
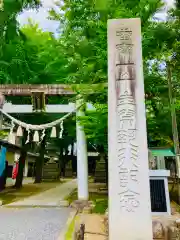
82,159
129,190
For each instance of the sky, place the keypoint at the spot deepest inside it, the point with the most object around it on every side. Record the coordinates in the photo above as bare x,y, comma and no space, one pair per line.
41,15
163,14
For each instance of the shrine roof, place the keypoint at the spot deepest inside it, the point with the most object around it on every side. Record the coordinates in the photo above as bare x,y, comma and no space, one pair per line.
10,147
165,152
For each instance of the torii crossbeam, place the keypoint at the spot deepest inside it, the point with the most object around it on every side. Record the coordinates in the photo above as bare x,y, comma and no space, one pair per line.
49,89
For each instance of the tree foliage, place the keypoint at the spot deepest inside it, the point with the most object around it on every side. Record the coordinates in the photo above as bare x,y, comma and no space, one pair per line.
79,55
84,32
13,58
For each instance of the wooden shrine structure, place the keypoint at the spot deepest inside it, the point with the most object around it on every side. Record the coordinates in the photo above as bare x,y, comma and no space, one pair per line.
49,89
38,92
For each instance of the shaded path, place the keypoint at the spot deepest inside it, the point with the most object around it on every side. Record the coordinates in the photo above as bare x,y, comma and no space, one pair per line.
26,180
50,198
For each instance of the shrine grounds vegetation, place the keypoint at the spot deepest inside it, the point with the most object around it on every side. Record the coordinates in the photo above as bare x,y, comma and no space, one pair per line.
78,55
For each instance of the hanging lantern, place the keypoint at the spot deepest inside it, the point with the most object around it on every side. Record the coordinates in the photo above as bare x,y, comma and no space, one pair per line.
36,137
53,132
19,132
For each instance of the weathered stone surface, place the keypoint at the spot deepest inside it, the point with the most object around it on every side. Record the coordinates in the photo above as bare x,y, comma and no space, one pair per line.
100,172
79,231
80,204
161,226
178,223
63,203
94,237
93,224
106,213
129,201
87,210
106,224
173,233
50,171
158,230
173,210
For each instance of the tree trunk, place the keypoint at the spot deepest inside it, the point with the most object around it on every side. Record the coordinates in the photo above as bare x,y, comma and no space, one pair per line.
19,178
66,160
174,125
60,159
63,157
72,148
40,162
3,178
72,157
22,159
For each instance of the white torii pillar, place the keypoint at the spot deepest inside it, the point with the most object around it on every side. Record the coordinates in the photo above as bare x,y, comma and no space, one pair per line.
82,159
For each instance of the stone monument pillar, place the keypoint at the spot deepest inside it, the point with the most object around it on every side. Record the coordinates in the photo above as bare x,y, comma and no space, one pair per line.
129,190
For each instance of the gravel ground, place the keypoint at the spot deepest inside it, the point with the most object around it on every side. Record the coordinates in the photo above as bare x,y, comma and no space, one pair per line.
32,223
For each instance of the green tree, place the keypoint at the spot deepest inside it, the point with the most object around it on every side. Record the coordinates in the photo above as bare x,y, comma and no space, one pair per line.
12,54
84,33
79,56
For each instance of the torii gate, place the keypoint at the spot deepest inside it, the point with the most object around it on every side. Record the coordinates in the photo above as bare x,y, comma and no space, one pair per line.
58,89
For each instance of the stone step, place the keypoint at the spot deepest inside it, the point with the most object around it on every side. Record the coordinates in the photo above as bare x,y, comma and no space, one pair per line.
47,167
50,170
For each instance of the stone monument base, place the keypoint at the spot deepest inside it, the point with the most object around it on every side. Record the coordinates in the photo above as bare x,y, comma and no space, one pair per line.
164,227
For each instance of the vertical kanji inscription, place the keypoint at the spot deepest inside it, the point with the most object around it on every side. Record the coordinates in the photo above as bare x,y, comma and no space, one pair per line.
126,114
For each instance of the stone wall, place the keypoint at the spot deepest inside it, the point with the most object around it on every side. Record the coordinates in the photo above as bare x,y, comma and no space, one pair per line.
100,171
162,232
50,172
